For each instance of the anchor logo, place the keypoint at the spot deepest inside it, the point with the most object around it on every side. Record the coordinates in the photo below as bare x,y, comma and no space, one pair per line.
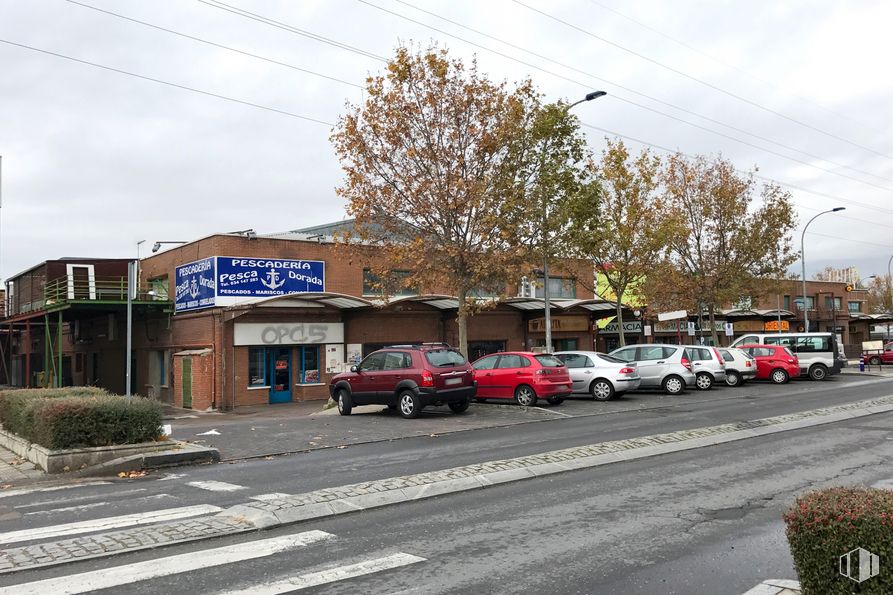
273,276
193,289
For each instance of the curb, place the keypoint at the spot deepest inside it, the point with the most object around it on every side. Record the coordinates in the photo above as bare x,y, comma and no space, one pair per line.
328,502
188,454
775,587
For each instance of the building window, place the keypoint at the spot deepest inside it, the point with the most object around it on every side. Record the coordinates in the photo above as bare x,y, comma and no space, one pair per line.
159,288
308,359
396,285
257,366
832,303
787,302
559,287
854,306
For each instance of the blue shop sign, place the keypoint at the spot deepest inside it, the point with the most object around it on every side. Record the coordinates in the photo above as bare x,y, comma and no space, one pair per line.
260,277
195,285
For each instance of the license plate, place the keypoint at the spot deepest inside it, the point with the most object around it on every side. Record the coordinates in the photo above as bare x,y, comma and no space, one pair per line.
449,381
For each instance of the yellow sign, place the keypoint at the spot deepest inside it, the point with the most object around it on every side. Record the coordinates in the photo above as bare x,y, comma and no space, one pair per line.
777,325
748,326
559,323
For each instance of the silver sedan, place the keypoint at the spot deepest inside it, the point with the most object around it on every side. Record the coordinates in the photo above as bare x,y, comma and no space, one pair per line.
602,376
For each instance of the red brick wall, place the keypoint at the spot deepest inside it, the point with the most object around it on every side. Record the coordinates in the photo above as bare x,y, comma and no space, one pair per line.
202,380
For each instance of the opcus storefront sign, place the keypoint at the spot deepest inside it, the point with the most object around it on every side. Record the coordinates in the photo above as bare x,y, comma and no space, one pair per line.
217,280
195,285
296,333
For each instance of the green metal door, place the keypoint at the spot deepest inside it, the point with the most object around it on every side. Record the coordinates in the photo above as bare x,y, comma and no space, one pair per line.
187,382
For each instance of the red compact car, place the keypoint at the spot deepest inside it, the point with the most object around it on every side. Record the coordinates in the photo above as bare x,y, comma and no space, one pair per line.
774,362
522,376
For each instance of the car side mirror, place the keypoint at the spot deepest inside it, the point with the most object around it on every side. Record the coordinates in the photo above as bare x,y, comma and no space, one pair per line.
354,369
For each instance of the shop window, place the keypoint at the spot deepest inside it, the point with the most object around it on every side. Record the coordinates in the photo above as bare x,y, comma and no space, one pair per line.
257,366
559,288
395,285
308,358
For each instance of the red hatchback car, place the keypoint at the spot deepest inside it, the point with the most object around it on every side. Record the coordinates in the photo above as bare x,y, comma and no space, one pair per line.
522,376
774,362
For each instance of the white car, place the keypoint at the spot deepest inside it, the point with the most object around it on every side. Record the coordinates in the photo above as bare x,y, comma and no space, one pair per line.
598,374
740,365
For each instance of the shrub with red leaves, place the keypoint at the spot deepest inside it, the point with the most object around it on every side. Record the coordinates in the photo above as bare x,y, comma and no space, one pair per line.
826,524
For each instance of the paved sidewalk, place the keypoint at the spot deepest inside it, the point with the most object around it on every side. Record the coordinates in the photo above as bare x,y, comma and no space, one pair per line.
289,509
16,471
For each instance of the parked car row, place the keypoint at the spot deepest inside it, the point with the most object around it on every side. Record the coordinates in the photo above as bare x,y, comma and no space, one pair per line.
408,378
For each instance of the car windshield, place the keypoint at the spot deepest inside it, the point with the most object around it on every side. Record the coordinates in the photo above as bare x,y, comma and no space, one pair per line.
610,359
443,358
550,361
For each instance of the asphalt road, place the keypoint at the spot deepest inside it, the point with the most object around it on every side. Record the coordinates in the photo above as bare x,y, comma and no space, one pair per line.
703,521
228,484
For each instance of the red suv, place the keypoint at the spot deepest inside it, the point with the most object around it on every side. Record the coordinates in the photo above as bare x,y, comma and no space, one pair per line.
774,362
408,378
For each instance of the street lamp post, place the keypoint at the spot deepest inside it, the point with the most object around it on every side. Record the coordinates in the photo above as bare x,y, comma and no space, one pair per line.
546,301
132,283
803,264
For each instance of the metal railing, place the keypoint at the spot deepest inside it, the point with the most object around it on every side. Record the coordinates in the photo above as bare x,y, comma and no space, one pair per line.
67,289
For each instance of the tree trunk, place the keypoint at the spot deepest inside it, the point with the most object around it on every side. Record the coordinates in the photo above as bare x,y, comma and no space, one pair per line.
462,320
620,321
713,325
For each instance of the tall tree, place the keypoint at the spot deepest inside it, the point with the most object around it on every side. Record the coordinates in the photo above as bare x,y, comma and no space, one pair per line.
627,236
729,243
880,296
440,164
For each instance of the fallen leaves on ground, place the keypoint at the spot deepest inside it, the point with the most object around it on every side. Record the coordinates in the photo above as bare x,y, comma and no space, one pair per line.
133,474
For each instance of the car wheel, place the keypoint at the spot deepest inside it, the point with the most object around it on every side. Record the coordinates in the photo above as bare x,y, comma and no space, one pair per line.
779,376
459,406
345,405
874,360
555,400
704,381
733,378
818,372
601,389
525,396
673,385
410,406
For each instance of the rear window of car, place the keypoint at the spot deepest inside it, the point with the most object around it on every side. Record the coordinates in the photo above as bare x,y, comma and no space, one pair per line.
789,352
726,355
611,359
574,360
550,361
443,358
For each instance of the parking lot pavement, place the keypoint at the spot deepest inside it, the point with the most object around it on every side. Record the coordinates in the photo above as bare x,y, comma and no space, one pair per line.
278,429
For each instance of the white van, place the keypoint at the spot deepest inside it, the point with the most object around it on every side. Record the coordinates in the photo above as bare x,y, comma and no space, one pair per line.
820,354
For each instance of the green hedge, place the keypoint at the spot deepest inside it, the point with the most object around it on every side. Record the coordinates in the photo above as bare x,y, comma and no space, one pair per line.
824,525
79,417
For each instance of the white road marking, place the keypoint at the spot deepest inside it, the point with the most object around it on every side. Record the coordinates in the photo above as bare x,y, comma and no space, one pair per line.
171,476
216,486
78,499
213,432
267,497
115,522
551,411
19,492
67,508
96,504
116,576
324,577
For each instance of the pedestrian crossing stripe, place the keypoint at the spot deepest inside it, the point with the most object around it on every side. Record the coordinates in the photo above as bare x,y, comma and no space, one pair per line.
116,576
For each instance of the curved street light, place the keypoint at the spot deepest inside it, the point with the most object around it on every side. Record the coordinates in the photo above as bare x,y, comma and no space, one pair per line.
546,302
803,264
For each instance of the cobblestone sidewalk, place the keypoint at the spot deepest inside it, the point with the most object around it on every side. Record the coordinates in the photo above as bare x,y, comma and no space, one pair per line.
361,496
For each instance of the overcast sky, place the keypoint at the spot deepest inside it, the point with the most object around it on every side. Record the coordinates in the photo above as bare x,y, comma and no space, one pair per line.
95,160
